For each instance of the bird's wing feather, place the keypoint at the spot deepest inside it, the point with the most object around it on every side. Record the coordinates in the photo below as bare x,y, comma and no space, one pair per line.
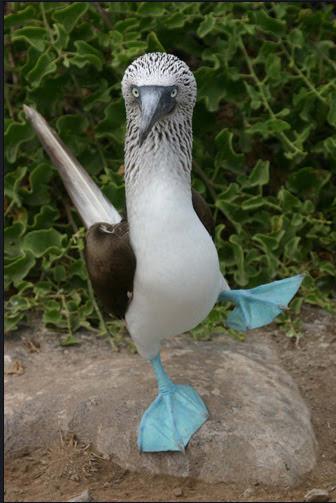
110,262
90,202
109,256
203,212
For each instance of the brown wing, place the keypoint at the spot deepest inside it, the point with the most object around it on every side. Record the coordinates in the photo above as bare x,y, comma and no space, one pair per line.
203,212
111,265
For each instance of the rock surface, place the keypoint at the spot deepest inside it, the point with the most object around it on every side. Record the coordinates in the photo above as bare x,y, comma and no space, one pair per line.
85,496
317,495
259,428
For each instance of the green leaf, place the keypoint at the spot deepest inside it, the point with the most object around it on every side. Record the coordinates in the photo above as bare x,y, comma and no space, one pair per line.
15,135
211,87
292,248
86,55
101,95
69,341
41,242
38,193
327,267
308,180
227,158
32,35
53,317
45,65
259,175
68,125
126,25
45,218
256,100
152,9
12,184
12,321
69,16
59,273
253,202
12,239
332,110
19,17
153,43
112,125
19,268
206,26
176,20
288,201
240,274
295,38
62,37
268,24
77,268
115,193
268,127
273,67
268,243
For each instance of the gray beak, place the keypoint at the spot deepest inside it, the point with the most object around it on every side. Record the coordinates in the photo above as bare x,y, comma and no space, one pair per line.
155,102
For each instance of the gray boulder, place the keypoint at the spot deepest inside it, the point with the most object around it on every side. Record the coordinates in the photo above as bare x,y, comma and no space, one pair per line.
259,428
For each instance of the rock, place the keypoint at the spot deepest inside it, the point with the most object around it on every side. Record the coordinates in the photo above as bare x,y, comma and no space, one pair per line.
12,366
317,495
84,496
259,430
178,492
8,360
247,493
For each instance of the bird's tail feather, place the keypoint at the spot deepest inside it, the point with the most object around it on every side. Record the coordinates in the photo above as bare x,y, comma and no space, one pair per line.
88,199
259,306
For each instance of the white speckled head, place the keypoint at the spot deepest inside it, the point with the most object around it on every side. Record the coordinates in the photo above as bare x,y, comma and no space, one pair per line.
160,69
160,93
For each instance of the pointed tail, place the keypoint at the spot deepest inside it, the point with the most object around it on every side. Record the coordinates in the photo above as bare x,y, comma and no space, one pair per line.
259,306
90,202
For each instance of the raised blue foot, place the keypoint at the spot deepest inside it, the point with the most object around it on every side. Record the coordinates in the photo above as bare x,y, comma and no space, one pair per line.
174,416
259,306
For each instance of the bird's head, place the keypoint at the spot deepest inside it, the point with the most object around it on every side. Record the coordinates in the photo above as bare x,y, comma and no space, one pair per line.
157,87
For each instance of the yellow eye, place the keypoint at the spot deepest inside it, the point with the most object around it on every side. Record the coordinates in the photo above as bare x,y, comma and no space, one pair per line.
173,93
135,92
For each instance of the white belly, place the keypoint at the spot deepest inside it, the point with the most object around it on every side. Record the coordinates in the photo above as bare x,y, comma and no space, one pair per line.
177,279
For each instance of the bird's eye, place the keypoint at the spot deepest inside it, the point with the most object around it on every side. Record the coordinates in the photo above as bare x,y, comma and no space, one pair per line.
135,92
173,93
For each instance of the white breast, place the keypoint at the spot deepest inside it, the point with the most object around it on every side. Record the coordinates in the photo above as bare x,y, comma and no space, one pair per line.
177,279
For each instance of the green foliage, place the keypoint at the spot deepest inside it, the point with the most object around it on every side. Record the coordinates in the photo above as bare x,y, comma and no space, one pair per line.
264,139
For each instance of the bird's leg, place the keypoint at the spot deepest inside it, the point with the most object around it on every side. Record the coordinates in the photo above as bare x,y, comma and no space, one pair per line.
173,417
165,384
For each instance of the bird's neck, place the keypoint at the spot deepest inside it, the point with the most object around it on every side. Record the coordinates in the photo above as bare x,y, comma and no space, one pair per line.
166,152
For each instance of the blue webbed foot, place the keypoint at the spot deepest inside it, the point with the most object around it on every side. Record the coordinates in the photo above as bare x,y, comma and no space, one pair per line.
259,306
172,418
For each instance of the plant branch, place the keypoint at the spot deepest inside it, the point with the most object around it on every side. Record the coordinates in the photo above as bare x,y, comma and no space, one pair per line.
299,72
205,179
104,15
266,104
46,24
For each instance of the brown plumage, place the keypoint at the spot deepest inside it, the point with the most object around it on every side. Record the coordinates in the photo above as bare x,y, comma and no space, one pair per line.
111,262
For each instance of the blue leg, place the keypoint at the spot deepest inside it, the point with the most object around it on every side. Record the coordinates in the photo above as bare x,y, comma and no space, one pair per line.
174,416
259,306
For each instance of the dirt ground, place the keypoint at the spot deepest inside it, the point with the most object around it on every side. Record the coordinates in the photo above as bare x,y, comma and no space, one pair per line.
68,468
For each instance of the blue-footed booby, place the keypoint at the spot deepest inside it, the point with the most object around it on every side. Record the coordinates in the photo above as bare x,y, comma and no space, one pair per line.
159,269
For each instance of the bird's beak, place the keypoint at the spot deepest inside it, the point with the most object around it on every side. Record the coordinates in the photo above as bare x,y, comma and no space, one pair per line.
155,103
